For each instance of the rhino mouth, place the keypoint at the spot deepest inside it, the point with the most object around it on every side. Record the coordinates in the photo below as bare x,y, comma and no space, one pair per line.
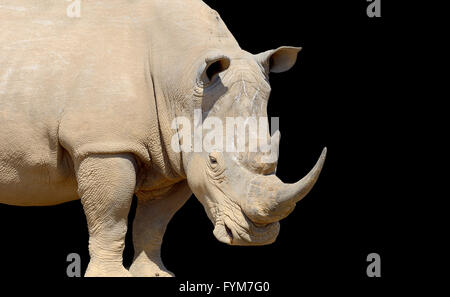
245,232
229,233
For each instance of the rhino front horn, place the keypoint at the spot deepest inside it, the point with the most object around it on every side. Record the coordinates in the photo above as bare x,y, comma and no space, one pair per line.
270,200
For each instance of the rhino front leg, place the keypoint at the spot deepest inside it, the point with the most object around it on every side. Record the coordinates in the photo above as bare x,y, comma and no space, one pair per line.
149,226
106,184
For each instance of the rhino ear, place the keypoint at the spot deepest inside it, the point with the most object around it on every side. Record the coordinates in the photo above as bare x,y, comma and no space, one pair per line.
279,60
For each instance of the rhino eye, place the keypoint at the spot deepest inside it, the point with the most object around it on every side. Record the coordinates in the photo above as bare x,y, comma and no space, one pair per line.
212,159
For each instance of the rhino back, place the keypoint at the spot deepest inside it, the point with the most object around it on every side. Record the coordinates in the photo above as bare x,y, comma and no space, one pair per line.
68,86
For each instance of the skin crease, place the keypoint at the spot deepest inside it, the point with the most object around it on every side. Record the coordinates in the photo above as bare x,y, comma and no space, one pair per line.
86,106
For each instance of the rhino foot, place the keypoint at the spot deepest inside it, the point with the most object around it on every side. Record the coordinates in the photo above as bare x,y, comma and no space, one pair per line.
150,269
101,271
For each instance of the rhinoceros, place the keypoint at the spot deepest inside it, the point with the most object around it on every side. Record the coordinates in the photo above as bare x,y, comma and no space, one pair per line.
87,104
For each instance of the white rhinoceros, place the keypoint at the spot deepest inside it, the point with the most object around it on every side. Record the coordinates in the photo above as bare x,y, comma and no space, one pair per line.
87,104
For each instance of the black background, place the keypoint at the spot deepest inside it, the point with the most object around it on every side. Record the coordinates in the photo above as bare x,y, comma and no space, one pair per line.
341,94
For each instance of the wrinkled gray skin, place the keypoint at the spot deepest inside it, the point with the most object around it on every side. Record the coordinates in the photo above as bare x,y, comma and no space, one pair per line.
90,118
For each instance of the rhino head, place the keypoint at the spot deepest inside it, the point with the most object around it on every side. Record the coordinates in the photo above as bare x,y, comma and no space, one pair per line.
239,190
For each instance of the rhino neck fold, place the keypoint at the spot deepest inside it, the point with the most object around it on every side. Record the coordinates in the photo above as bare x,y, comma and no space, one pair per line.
162,154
